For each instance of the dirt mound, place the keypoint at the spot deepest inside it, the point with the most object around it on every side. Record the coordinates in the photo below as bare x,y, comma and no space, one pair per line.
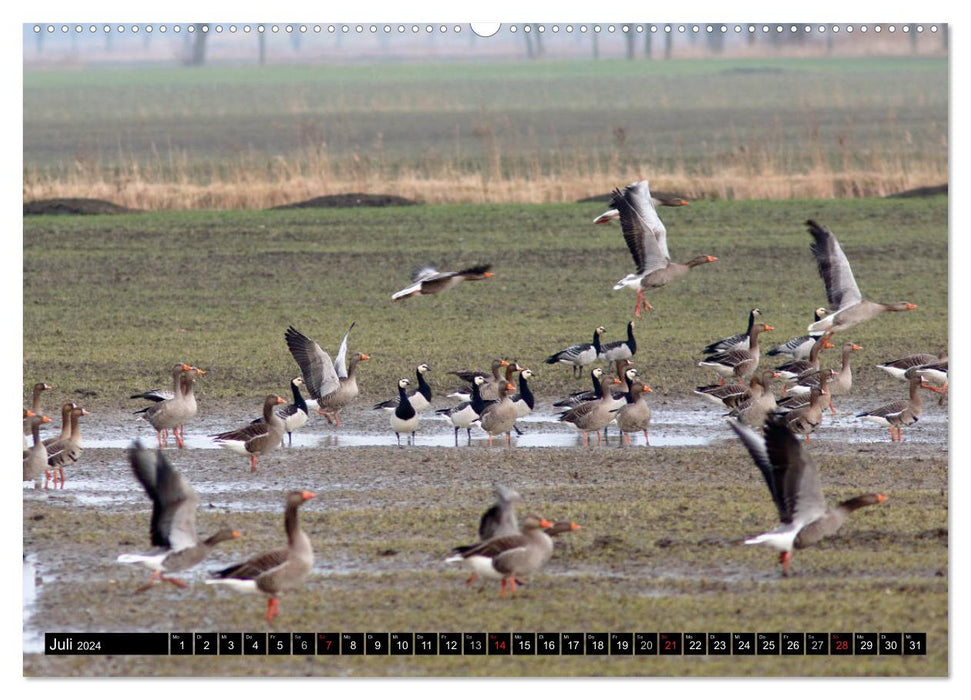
74,206
352,199
922,191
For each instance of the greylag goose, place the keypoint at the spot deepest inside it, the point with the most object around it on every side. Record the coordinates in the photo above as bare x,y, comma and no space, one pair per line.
63,452
579,355
169,411
490,389
524,399
593,415
330,383
508,557
898,414
753,410
35,408
738,363
799,348
898,368
404,418
499,521
793,482
658,199
805,419
428,280
635,416
819,379
561,526
279,570
420,397
791,371
625,375
294,415
500,417
466,413
618,350
646,239
934,375
842,292
173,524
839,385
256,439
35,456
739,341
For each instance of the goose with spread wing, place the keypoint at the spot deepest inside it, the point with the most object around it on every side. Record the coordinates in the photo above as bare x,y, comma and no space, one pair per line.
427,280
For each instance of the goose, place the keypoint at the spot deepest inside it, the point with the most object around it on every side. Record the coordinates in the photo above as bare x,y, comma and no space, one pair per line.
898,368
173,524
934,375
618,350
500,417
658,199
791,371
499,521
420,397
793,482
646,239
65,433
805,419
67,451
898,414
753,410
579,355
524,401
839,385
625,375
820,380
256,439
427,280
739,341
171,411
635,416
329,382
799,348
466,413
507,557
35,456
490,389
593,415
841,290
294,415
738,363
404,419
277,571
35,408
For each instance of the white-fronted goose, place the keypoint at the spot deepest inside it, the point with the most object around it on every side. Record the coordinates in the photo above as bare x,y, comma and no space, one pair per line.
646,239
35,456
466,413
278,571
842,292
508,557
35,407
739,341
256,439
799,348
427,280
524,399
404,418
579,355
169,413
593,416
805,419
898,414
618,350
839,385
294,415
793,482
64,452
500,417
65,433
173,524
489,390
420,397
738,363
635,415
659,199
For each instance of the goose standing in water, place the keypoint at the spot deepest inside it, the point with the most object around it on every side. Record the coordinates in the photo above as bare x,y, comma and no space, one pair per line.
173,524
500,417
793,482
898,414
841,290
420,397
277,571
64,452
294,415
404,419
170,410
635,415
466,413
646,239
593,416
256,439
35,456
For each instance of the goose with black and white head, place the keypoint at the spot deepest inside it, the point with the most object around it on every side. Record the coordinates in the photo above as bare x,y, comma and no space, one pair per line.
404,419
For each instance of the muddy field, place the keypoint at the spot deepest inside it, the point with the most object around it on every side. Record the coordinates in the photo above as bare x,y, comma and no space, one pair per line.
660,547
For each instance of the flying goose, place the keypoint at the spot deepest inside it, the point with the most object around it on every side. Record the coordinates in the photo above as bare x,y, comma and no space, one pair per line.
842,292
793,482
659,199
428,280
646,239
